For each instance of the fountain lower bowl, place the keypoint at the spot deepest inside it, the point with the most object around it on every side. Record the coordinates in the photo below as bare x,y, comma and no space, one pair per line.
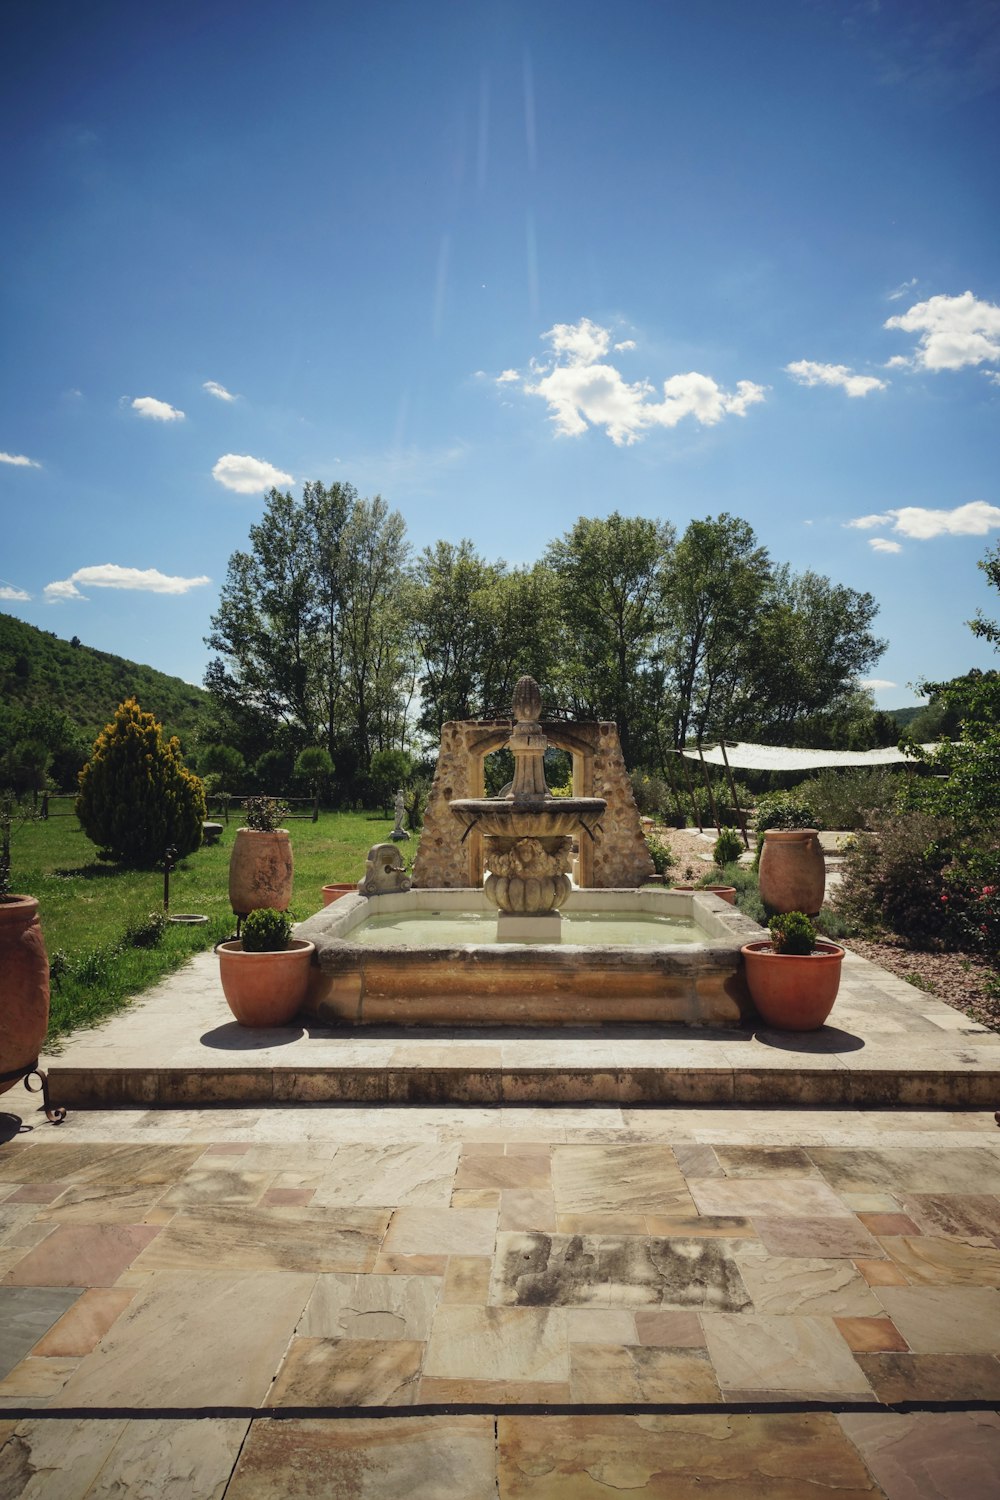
565,984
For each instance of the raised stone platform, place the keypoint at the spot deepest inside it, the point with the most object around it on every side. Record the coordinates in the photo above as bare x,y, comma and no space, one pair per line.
888,1044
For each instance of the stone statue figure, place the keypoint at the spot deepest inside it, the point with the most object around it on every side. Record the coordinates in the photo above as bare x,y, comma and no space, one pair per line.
399,833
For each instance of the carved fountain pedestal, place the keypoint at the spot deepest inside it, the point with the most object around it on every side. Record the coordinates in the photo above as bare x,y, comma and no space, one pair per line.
528,835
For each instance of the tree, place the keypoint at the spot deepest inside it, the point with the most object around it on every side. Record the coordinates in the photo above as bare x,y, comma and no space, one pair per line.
225,763
315,765
311,629
718,579
613,579
453,634
390,770
136,795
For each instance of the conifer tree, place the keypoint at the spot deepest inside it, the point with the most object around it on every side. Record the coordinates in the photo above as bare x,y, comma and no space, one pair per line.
136,795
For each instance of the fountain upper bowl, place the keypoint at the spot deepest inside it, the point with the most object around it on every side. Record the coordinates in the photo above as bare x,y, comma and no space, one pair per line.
549,818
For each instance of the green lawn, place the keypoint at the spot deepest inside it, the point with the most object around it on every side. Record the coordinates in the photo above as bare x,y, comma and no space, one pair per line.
86,904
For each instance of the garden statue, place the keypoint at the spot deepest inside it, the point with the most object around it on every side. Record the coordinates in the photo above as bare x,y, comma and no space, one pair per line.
399,833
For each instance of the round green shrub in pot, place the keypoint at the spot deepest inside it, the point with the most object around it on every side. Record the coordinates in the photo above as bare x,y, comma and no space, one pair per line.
265,976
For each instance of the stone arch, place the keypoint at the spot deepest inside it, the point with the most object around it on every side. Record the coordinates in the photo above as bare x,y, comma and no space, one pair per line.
617,857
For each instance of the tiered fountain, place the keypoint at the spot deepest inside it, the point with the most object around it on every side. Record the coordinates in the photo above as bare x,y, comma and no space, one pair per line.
529,833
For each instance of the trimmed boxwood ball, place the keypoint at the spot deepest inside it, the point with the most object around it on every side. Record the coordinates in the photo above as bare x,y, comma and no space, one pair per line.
266,930
793,933
136,795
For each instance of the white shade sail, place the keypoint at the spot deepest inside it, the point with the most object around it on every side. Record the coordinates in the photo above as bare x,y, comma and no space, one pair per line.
746,757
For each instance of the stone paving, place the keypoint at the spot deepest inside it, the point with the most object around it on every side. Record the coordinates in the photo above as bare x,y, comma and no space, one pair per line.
540,1303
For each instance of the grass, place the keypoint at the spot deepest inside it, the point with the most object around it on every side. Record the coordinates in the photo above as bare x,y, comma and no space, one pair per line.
86,904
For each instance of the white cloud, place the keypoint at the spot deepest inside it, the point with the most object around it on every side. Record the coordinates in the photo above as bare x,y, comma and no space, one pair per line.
882,544
160,411
921,522
901,291
808,372
248,476
954,331
9,591
625,344
581,390
507,377
215,389
19,461
111,576
877,684
975,519
55,593
583,343
865,523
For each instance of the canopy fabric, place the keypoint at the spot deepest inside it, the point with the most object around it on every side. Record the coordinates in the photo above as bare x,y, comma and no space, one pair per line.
747,757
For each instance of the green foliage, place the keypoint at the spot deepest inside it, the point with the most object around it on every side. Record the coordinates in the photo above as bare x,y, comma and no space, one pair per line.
852,797
661,854
728,847
390,770
792,933
223,762
312,634
783,810
416,801
263,814
894,879
63,694
612,576
266,931
13,814
314,764
146,931
136,795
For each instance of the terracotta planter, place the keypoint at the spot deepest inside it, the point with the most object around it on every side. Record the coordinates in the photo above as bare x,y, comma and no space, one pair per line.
793,992
24,990
265,989
334,892
725,892
792,871
260,871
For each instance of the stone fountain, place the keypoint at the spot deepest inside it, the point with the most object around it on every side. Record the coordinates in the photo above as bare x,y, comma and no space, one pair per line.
528,833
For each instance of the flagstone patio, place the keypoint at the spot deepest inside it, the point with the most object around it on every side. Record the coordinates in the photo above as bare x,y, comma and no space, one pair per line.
252,1298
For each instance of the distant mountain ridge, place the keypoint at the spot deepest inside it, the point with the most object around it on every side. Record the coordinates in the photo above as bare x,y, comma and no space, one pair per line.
41,672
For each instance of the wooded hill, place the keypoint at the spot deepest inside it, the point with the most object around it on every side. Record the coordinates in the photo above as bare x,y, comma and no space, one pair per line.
42,674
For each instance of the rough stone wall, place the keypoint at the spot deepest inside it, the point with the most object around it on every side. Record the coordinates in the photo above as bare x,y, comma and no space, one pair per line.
620,854
619,857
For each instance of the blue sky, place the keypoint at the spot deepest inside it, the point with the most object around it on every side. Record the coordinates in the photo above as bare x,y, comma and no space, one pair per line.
506,264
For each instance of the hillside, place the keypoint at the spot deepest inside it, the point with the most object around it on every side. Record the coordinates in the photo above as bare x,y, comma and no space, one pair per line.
905,716
40,673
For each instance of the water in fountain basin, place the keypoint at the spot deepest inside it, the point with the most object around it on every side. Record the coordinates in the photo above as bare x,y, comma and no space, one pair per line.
444,929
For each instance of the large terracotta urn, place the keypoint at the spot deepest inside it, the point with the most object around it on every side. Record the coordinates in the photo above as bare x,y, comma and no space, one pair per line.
260,870
24,987
792,871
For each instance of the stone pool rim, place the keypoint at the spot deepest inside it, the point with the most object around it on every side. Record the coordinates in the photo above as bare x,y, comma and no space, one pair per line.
500,984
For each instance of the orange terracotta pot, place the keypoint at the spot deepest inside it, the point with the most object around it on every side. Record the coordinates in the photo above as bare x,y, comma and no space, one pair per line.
725,892
24,986
260,871
334,892
793,992
792,871
265,989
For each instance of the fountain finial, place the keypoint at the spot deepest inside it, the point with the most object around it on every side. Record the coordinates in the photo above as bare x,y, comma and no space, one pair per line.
527,704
